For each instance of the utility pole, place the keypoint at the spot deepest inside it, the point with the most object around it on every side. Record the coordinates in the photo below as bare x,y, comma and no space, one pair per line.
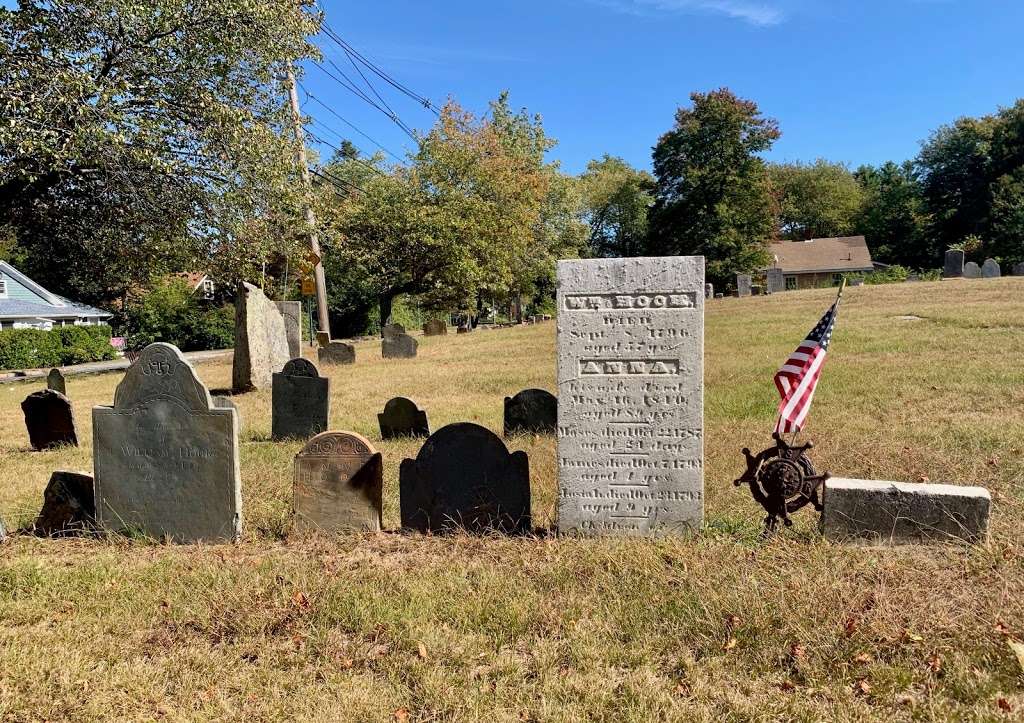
314,242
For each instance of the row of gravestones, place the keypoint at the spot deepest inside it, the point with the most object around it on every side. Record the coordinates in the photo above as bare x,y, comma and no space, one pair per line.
955,268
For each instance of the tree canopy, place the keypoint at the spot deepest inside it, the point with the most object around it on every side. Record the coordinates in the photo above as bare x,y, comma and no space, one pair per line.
817,200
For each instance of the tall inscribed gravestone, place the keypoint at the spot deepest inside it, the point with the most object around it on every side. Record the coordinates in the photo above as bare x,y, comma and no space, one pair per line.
166,457
261,340
300,401
631,395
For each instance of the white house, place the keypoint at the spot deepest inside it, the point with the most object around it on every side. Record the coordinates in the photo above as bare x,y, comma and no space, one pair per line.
24,304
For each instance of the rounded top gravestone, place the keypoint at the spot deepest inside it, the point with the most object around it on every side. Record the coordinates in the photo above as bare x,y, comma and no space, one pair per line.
55,381
49,419
531,410
300,401
972,270
403,418
338,484
300,367
990,269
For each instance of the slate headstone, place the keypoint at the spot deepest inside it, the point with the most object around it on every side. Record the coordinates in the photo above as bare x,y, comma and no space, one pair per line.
336,352
55,381
631,395
990,269
301,401
531,411
291,312
954,265
435,327
744,282
166,457
402,418
972,270
396,344
709,291
464,477
338,484
775,281
69,505
1018,269
261,342
50,420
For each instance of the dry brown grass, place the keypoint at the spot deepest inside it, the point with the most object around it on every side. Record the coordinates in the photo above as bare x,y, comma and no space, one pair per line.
723,627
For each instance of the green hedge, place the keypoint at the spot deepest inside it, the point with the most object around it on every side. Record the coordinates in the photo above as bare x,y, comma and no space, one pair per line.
35,348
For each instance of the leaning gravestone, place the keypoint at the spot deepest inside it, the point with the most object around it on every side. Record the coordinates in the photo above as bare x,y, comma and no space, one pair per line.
972,270
301,401
435,327
338,484
954,266
69,505
775,281
402,418
464,477
396,344
743,285
166,457
261,342
50,420
990,269
55,381
631,393
291,312
531,411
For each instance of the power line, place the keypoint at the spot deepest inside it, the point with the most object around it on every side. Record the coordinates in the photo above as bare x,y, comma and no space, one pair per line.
350,124
335,181
348,85
360,161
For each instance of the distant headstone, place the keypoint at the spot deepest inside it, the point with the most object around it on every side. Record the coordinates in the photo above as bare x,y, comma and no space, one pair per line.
900,513
857,281
291,312
719,296
531,411
435,327
913,277
338,484
464,477
972,270
166,457
1018,269
336,352
301,401
49,419
402,418
775,281
396,344
3,531
990,269
222,402
464,329
709,291
55,381
954,266
630,387
69,505
744,282
261,342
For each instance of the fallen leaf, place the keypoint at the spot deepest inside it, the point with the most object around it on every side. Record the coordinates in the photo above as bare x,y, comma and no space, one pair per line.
1004,704
935,663
787,686
1018,650
862,687
924,479
730,643
850,627
346,662
861,659
1002,629
422,649
909,637
797,651
732,621
682,688
402,714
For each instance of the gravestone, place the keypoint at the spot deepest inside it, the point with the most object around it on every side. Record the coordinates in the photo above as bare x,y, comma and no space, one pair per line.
396,344
898,513
338,484
709,291
261,342
435,327
69,505
336,352
743,285
3,530
954,266
775,281
531,411
464,329
990,269
291,312
300,401
402,418
464,477
631,393
55,381
49,419
223,402
166,457
1018,269
972,270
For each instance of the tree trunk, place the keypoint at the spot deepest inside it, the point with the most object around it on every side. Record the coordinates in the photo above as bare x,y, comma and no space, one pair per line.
386,303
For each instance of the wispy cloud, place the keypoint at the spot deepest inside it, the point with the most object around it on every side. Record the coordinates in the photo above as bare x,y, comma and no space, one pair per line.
756,13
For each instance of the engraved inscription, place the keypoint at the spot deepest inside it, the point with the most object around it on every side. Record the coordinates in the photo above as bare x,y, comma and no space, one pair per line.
626,302
628,367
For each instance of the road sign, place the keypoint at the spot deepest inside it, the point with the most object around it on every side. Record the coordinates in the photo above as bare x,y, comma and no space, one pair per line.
308,287
312,258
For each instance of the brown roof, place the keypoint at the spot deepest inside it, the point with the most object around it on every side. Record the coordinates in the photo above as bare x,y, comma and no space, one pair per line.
192,278
821,254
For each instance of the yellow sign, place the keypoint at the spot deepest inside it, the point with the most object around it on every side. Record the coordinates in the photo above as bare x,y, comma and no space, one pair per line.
308,287
312,258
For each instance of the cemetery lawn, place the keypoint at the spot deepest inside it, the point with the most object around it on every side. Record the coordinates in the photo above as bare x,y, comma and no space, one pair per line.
923,381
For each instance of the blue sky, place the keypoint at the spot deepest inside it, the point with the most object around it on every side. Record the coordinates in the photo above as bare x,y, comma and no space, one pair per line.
857,81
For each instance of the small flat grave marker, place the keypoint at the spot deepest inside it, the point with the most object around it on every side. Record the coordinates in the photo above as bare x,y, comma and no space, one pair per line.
338,484
301,401
402,418
531,411
50,420
55,381
336,352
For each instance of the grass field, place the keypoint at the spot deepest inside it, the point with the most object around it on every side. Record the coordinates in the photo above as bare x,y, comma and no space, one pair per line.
721,627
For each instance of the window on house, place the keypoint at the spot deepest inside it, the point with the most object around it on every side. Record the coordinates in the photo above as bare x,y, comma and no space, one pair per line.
208,288
790,283
3,288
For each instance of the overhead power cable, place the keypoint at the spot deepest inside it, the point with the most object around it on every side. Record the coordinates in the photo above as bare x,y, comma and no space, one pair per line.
348,85
351,125
335,181
360,161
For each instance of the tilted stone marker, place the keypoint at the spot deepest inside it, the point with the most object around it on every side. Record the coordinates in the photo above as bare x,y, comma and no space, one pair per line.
990,269
69,505
775,281
744,282
301,401
954,265
631,395
464,477
166,457
50,420
336,352
402,418
55,381
435,327
291,312
899,513
338,484
972,270
531,411
396,344
261,342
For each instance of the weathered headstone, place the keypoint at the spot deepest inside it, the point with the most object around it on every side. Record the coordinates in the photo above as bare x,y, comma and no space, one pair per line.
336,352
744,282
464,329
291,312
49,419
402,418
261,342
630,386
972,270
990,269
338,484
465,477
1018,269
69,505
435,327
901,513
531,411
3,530
709,291
954,265
166,457
55,381
775,281
396,344
301,401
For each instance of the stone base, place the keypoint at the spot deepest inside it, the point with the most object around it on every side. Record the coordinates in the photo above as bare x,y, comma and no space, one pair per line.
336,352
898,513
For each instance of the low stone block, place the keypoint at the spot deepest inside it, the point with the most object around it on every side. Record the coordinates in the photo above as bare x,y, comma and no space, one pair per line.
895,513
50,420
396,344
69,505
336,352
55,381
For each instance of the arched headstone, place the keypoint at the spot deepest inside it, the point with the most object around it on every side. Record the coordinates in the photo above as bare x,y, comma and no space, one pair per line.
338,484
50,420
972,270
990,269
531,411
402,418
300,402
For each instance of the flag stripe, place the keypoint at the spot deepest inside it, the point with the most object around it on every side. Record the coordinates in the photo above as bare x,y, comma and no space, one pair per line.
797,378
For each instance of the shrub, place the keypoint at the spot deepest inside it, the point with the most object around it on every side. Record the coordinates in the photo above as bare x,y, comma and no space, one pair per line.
171,313
32,348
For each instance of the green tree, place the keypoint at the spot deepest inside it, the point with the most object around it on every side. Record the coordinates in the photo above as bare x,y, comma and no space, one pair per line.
817,200
618,199
712,194
892,217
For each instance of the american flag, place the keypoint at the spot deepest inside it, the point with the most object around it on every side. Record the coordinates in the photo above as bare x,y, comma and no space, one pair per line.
798,376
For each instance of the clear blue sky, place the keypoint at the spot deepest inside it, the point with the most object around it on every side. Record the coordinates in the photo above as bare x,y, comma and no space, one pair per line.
857,81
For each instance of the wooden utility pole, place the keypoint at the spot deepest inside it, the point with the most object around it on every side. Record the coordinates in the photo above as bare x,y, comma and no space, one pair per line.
314,241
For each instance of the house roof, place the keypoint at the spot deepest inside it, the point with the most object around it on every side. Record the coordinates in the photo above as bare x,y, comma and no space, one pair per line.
849,253
193,278
56,307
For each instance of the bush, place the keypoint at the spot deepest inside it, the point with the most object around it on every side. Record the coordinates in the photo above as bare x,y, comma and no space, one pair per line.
33,348
171,313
